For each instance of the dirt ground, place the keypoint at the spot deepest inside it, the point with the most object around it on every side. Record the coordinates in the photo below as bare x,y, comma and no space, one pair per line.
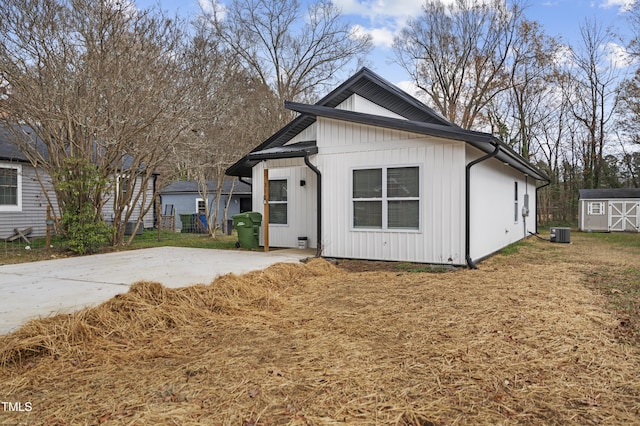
529,338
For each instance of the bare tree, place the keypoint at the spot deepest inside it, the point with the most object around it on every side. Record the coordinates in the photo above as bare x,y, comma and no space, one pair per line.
98,81
230,110
593,97
458,54
292,52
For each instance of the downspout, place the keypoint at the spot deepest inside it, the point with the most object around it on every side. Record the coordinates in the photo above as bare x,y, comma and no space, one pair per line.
537,188
467,236
319,203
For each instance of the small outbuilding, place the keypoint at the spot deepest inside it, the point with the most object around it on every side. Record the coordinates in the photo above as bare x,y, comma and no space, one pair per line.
609,210
370,172
183,197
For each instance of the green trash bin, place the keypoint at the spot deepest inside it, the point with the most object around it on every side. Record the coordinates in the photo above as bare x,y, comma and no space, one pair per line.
187,222
248,226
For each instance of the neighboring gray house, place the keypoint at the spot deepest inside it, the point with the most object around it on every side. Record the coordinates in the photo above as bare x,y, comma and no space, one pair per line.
183,198
609,210
23,202
370,172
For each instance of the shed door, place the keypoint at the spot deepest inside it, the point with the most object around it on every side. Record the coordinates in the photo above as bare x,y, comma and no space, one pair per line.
624,216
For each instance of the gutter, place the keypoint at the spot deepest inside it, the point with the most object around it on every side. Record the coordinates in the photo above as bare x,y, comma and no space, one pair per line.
246,182
467,236
319,203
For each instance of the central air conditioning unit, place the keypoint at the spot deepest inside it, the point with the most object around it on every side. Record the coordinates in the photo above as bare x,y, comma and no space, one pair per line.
560,235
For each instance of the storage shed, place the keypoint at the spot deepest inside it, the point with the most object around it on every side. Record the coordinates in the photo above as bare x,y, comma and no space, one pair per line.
370,172
183,198
609,210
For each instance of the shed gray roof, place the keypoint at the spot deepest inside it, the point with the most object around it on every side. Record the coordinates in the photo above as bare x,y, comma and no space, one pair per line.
607,193
191,187
419,118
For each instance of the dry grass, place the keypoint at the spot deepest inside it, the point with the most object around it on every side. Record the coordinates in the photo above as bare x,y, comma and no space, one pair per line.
523,340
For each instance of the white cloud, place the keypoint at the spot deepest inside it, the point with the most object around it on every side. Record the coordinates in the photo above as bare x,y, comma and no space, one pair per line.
381,37
381,19
623,5
618,55
211,6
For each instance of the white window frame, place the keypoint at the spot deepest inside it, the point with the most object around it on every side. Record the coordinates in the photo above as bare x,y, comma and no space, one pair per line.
198,201
599,211
385,200
14,207
123,176
286,202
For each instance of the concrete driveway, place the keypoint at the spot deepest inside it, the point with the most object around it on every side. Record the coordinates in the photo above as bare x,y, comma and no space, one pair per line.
40,289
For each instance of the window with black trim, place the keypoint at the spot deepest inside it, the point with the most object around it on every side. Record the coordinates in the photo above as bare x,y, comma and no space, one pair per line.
386,198
515,198
278,202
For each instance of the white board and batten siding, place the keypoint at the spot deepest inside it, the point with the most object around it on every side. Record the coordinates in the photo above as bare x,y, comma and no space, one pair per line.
344,147
301,201
496,215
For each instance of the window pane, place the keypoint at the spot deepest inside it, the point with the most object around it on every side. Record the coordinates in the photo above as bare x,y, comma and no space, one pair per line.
403,182
278,214
278,190
367,183
8,177
367,214
8,187
404,214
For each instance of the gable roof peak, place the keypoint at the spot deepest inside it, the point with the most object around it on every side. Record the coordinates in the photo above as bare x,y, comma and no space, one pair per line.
376,89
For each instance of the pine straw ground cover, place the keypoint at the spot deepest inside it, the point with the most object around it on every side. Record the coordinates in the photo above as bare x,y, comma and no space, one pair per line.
523,340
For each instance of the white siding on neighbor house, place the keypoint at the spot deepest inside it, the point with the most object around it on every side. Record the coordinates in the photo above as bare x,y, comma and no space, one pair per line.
138,207
344,146
301,201
492,215
33,211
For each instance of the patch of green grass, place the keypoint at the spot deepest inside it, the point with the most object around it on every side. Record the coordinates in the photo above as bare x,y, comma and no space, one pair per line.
150,238
20,252
413,267
514,248
621,239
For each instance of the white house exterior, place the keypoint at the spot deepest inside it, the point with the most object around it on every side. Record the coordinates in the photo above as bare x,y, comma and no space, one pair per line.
397,181
609,210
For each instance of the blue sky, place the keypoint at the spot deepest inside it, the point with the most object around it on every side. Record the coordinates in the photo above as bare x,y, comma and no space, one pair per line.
383,18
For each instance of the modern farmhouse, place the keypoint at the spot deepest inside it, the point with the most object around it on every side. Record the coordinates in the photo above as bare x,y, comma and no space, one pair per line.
370,172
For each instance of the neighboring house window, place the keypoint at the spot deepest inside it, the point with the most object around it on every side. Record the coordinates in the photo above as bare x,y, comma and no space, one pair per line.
10,188
200,206
278,202
386,198
596,208
515,201
123,187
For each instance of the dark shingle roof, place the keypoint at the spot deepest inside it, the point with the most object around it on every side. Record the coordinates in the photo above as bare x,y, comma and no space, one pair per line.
191,186
9,151
607,193
419,118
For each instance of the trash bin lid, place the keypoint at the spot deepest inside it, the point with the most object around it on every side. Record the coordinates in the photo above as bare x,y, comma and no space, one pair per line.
255,217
